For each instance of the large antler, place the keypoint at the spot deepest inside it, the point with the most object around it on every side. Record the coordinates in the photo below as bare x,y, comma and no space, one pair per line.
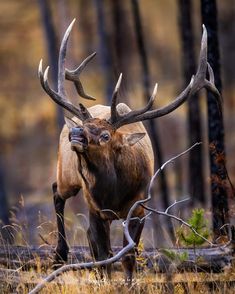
197,82
60,97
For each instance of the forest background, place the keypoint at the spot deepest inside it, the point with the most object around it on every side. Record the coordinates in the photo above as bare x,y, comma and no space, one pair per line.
29,129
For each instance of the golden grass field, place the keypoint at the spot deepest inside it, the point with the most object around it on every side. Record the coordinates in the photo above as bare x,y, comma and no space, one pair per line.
16,280
145,281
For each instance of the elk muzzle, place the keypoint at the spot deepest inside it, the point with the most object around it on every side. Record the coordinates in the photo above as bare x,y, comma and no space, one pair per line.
78,139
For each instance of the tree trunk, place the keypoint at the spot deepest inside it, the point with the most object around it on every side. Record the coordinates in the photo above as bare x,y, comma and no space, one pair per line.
6,232
86,26
122,41
215,124
161,260
152,125
52,49
195,169
104,50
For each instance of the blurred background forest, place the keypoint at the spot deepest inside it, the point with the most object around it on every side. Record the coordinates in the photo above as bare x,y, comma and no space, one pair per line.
29,127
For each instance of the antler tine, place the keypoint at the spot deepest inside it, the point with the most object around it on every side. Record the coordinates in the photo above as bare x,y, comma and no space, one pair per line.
132,116
73,75
211,74
84,111
114,114
197,82
200,77
210,85
40,75
60,96
202,65
148,106
61,62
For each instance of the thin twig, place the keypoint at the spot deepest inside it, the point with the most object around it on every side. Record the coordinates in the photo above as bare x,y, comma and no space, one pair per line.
44,240
131,243
110,210
176,202
179,220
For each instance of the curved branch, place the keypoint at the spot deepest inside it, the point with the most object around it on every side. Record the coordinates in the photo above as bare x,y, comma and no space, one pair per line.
131,243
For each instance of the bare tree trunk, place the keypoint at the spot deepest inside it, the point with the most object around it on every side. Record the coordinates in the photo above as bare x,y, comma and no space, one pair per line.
3,197
152,125
6,233
215,124
63,15
86,26
104,49
196,174
122,40
52,49
227,29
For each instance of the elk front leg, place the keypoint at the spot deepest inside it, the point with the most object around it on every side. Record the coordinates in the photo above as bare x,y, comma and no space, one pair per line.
62,248
98,235
128,261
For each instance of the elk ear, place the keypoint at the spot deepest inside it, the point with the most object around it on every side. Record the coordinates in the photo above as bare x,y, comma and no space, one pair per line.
70,123
132,139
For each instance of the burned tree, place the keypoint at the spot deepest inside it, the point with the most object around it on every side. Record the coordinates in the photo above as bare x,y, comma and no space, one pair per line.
104,50
52,49
195,180
152,125
215,123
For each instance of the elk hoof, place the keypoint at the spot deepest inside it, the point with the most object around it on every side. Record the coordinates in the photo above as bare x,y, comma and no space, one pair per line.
61,256
128,280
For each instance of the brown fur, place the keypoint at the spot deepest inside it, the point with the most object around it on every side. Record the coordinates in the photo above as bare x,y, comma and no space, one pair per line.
68,175
112,175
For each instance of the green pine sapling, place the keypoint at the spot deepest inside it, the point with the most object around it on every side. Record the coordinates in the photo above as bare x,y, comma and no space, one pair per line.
199,224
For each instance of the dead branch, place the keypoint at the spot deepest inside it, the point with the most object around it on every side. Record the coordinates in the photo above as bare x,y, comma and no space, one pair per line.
19,258
89,265
179,220
131,244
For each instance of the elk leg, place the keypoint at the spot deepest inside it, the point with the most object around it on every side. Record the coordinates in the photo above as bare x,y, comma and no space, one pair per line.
62,248
98,235
128,261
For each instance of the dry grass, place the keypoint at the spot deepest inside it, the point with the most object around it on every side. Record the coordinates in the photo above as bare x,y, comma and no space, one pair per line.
85,282
144,282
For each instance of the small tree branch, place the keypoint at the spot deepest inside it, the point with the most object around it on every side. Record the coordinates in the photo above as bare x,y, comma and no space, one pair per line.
89,265
131,243
179,220
166,163
176,202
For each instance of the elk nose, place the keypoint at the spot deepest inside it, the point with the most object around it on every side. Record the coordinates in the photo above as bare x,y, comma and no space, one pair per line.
77,131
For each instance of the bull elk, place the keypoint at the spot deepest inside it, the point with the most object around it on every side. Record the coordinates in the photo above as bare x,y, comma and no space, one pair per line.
106,152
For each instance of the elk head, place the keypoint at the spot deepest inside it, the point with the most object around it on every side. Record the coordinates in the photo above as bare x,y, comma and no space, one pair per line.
96,134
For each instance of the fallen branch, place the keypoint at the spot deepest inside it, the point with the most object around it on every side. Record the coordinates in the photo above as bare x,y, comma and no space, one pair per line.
207,259
89,265
131,244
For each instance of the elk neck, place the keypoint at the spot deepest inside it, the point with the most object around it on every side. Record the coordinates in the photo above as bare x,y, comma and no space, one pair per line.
113,179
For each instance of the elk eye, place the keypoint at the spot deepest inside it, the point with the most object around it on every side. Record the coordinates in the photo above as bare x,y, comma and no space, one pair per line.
69,136
105,137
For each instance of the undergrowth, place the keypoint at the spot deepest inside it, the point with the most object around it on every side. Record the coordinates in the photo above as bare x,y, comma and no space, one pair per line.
86,282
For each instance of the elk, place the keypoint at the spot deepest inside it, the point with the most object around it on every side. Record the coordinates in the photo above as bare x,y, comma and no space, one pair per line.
106,152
